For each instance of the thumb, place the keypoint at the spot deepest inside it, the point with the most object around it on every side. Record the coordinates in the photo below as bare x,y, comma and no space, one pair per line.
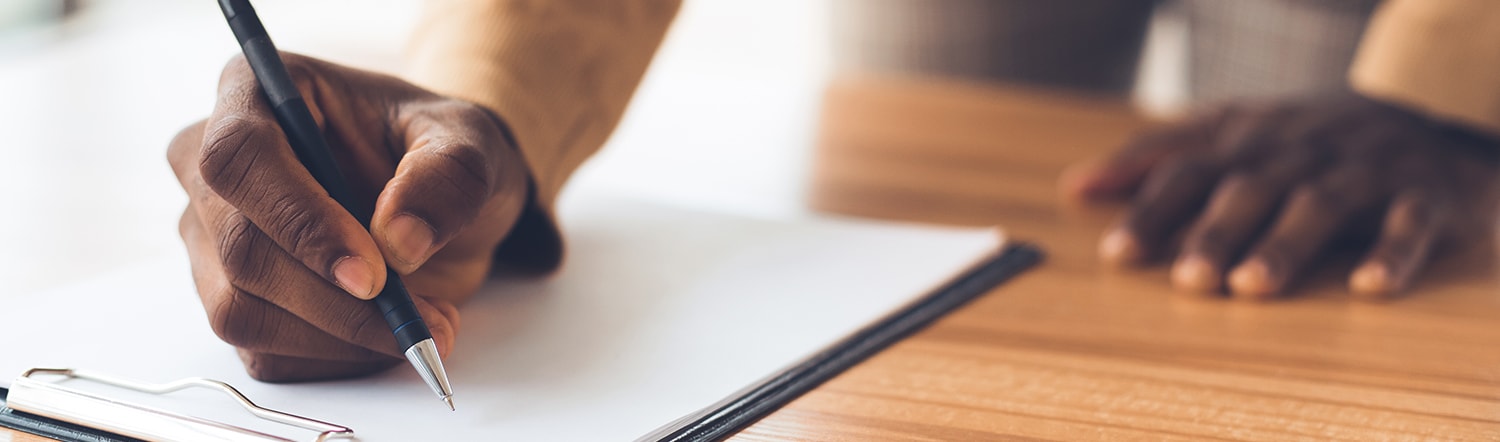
457,162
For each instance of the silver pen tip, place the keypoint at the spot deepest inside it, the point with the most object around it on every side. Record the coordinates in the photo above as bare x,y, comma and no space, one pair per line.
449,400
424,356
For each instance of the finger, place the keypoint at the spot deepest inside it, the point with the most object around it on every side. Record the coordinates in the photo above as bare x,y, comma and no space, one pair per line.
266,367
1169,197
457,162
442,321
1309,221
245,159
299,315
250,322
1238,210
1121,174
1413,224
254,267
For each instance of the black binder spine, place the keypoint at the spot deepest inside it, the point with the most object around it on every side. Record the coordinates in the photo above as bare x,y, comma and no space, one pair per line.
760,400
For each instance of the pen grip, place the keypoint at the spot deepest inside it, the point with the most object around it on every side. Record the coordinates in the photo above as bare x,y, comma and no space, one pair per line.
400,312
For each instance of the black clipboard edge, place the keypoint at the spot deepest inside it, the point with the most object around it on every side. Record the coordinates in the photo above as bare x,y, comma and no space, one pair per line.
759,400
52,428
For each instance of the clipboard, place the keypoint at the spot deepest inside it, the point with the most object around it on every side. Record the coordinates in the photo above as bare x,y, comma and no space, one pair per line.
703,345
53,410
19,411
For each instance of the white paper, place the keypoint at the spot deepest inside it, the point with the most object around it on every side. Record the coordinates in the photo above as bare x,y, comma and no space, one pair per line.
657,313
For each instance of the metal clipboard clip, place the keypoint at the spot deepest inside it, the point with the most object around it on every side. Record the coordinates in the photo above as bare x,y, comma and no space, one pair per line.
55,401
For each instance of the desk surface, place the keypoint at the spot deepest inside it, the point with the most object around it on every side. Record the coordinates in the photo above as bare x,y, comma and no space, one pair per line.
1074,351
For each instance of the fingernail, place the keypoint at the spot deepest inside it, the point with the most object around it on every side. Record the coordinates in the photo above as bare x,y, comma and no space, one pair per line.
1195,273
1370,280
1251,280
410,238
1120,247
354,275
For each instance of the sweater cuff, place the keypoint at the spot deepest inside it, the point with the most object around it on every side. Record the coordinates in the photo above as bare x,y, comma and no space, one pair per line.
1436,57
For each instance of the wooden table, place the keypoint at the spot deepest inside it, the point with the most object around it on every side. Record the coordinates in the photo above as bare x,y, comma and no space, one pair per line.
1075,351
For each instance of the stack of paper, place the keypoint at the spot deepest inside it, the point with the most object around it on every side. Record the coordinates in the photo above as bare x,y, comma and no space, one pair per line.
657,313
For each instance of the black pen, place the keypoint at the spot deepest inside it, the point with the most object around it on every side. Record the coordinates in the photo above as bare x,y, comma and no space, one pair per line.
307,140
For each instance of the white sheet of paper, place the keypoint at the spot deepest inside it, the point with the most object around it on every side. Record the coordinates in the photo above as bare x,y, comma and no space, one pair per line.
658,312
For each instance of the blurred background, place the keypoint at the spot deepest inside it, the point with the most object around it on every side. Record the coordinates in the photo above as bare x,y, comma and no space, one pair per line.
92,90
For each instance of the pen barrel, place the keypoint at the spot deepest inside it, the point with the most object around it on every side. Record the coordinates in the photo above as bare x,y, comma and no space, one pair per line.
400,312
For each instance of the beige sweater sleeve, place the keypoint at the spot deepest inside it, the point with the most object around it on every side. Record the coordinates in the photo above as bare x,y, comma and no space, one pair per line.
1439,57
559,72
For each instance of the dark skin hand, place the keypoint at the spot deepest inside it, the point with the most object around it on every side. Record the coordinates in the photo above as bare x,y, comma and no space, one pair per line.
283,271
1253,196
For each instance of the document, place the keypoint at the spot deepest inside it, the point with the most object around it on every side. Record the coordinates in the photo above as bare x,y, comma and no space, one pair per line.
658,312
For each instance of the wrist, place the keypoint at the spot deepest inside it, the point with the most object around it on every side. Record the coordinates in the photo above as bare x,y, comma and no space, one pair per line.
534,244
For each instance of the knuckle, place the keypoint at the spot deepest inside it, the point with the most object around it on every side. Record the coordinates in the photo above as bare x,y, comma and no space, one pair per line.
1317,197
227,162
232,322
1209,236
1189,163
1404,218
237,84
1413,212
1240,187
1240,182
462,112
298,230
243,251
237,66
237,70
464,168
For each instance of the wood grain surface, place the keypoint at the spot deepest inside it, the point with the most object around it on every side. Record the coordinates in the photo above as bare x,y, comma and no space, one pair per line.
1075,351
8,435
